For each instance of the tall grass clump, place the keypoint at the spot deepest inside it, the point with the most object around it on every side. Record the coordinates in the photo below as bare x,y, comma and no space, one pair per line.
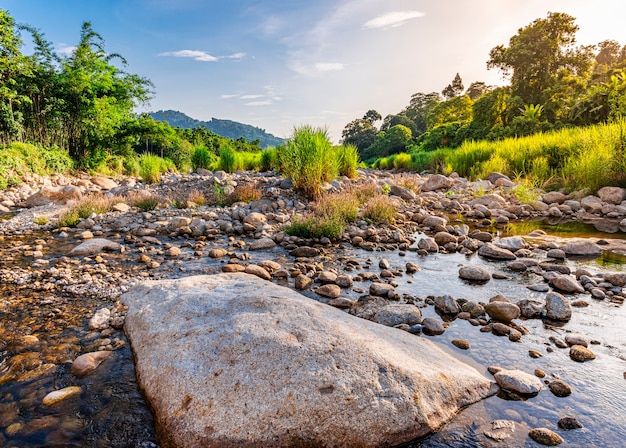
402,161
247,161
432,161
269,159
202,158
151,167
227,160
19,159
380,209
348,160
309,160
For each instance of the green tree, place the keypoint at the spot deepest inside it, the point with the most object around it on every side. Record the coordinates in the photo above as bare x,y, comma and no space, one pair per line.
392,120
477,89
359,133
538,53
418,108
455,88
458,108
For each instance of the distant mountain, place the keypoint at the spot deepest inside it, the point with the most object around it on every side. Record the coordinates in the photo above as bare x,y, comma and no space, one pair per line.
225,128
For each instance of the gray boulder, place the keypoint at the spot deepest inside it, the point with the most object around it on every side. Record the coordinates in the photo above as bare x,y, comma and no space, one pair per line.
518,381
474,274
94,246
230,360
557,307
582,248
490,250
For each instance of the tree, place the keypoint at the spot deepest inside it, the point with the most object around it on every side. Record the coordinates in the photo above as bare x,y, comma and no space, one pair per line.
359,133
537,53
372,116
477,89
458,108
455,88
418,108
392,120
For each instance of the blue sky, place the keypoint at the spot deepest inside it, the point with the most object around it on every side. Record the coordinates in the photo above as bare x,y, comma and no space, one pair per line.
277,64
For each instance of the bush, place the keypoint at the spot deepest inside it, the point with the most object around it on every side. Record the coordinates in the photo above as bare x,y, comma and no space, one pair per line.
18,159
94,203
69,218
309,160
269,159
151,167
245,193
202,158
143,201
379,209
402,161
343,207
227,160
348,160
41,220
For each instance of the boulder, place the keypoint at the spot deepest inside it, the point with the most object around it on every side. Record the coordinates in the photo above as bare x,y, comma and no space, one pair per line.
399,313
582,248
612,195
49,195
230,360
434,221
104,182
502,311
262,243
490,250
557,307
530,308
255,219
512,243
553,197
88,362
518,381
94,247
447,305
566,284
436,182
474,274
404,193
331,291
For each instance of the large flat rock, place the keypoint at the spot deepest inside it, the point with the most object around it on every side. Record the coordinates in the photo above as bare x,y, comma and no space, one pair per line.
231,360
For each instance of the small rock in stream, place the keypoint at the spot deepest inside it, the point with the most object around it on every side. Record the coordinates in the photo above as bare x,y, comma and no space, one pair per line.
569,423
545,436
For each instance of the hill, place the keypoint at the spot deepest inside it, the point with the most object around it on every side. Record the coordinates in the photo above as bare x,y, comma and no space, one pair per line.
225,128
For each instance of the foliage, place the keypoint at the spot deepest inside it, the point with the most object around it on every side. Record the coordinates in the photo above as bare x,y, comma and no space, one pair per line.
143,201
269,159
68,218
41,220
19,159
380,210
348,160
402,161
227,160
455,88
202,158
151,167
245,193
309,160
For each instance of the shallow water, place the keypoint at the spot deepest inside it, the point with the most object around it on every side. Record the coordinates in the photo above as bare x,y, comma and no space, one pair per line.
111,412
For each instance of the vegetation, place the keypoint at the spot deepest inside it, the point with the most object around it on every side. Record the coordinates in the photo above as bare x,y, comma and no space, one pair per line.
143,201
348,160
309,160
380,209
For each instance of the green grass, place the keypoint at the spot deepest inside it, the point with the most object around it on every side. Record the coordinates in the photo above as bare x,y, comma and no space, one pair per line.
68,219
348,160
227,160
379,210
309,160
18,159
151,167
202,158
402,161
269,160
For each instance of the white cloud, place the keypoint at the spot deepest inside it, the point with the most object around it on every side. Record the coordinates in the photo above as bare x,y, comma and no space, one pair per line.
239,55
392,19
229,96
259,103
329,66
195,54
65,49
251,97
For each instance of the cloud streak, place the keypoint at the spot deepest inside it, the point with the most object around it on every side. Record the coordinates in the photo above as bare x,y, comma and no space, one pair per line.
329,66
391,19
201,56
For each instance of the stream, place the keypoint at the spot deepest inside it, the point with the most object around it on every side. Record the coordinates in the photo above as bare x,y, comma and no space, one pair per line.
42,332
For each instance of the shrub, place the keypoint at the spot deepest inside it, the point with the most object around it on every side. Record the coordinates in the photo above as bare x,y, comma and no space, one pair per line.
93,203
143,201
365,192
379,209
402,161
196,197
315,227
227,160
151,167
309,159
348,160
269,159
41,220
202,158
301,227
69,218
245,193
343,207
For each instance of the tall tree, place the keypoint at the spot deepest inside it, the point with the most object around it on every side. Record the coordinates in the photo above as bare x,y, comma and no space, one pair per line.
455,88
536,55
418,108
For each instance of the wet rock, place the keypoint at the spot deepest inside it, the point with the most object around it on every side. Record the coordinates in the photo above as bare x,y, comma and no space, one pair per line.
502,311
490,250
172,252
434,221
258,271
381,289
515,335
569,423
443,238
384,264
447,305
560,388
490,200
331,291
232,267
303,282
428,244
461,343
518,381
88,362
557,254
432,327
100,320
616,278
217,252
59,395
546,437
530,308
94,247
474,274
500,329
553,197
345,281
576,339
259,332
512,243
411,268
535,354
557,307
581,354
583,248
397,314
262,243
566,284
305,251
255,219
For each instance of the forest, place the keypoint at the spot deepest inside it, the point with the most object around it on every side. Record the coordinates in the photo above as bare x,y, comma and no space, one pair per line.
553,84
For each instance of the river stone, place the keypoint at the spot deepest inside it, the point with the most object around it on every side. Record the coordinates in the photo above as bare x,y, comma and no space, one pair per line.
502,311
233,267
104,182
557,307
262,243
512,243
217,252
560,388
576,339
612,195
545,436
434,221
436,182
428,244
100,320
302,282
404,193
447,305
94,247
59,395
381,289
229,361
89,362
569,423
331,291
530,308
616,278
518,381
553,197
489,250
582,248
411,267
305,251
566,284
258,271
255,219
581,354
432,326
399,313
48,195
474,274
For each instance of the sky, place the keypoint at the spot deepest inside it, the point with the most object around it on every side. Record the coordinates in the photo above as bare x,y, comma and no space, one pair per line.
279,64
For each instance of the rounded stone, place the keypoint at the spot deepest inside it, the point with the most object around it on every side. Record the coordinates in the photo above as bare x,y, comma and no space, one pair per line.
331,291
502,311
518,381
59,395
569,423
474,274
398,314
560,388
460,343
545,436
432,327
581,354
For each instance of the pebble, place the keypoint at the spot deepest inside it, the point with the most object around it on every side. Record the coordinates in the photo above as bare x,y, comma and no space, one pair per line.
560,388
460,343
59,395
569,423
581,354
545,436
432,327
